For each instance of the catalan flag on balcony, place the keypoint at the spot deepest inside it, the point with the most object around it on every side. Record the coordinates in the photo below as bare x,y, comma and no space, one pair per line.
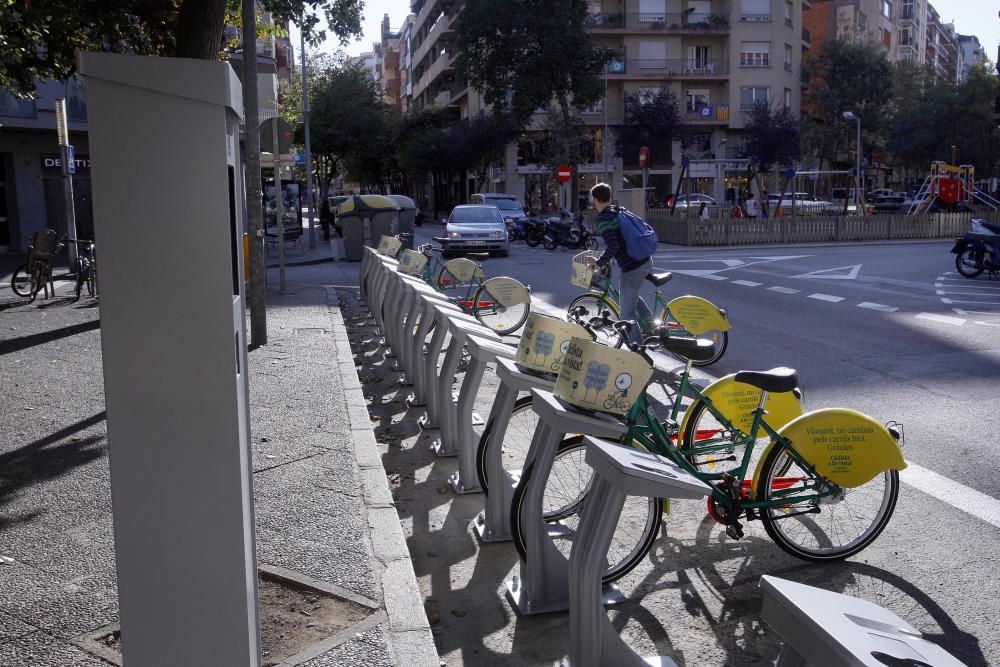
722,112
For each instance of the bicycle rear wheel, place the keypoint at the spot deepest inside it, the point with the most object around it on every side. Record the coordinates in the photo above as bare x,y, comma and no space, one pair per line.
494,315
829,528
566,489
516,441
23,283
723,444
595,305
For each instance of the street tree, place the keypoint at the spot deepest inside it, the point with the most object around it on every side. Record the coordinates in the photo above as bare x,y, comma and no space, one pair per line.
482,140
653,121
771,137
523,55
846,76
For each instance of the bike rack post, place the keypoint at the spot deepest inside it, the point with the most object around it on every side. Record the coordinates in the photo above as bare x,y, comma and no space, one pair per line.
493,523
447,443
398,304
822,628
394,293
415,291
618,472
441,313
418,397
483,351
543,585
381,283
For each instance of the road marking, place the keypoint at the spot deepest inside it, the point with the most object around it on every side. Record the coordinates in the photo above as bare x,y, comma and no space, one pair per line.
948,491
987,324
978,303
877,306
826,297
943,319
712,276
747,283
959,311
828,274
784,290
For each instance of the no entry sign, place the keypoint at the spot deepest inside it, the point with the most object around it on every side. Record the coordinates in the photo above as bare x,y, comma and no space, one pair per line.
564,174
643,157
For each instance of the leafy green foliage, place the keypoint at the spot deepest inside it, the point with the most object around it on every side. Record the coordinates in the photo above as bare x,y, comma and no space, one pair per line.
522,54
654,123
771,137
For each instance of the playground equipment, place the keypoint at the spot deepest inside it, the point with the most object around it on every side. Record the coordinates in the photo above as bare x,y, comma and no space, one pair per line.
950,185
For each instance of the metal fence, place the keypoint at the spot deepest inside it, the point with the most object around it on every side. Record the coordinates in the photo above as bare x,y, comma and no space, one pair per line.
692,231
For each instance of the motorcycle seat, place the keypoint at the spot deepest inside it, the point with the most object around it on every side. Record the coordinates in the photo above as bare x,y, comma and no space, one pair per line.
992,227
659,278
983,238
776,380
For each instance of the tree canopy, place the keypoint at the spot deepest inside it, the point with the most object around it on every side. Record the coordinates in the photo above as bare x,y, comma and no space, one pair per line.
39,38
654,122
522,54
771,137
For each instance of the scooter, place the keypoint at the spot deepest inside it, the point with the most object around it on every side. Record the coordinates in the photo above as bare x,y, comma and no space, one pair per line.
978,250
573,235
515,228
534,230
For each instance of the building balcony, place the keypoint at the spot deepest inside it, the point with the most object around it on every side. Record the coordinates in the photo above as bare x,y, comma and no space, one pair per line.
636,22
660,68
755,18
706,114
806,38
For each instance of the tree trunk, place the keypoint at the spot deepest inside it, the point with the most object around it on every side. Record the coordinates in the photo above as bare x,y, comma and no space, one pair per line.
199,29
255,213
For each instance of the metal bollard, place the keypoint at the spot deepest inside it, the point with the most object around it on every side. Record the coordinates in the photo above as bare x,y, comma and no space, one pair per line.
493,523
619,471
543,585
483,352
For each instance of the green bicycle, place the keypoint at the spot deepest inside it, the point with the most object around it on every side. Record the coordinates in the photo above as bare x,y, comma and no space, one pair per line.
684,316
824,486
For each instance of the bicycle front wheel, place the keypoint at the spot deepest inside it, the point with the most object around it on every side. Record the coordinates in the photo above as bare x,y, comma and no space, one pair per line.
24,283
494,315
515,444
566,489
595,305
823,529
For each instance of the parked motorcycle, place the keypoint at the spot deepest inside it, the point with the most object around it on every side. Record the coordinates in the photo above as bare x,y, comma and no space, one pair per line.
515,228
534,230
978,250
568,231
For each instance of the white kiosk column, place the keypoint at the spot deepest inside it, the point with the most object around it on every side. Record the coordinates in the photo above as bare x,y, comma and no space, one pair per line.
167,184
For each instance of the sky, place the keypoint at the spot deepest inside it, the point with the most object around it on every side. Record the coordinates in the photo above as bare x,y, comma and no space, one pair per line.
971,17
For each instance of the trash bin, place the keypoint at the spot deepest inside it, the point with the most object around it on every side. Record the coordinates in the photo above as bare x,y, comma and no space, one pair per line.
382,224
364,219
352,226
407,214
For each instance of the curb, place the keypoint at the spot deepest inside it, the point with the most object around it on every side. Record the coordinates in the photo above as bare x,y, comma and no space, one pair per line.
304,262
409,633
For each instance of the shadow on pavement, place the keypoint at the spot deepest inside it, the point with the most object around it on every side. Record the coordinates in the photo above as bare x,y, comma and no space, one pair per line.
23,342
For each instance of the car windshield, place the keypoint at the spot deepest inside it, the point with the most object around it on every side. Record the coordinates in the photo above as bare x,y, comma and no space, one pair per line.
475,215
504,204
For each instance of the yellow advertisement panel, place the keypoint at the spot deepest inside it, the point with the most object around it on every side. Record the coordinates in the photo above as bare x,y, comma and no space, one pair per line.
412,262
464,270
601,378
698,315
736,401
389,246
507,291
847,447
544,342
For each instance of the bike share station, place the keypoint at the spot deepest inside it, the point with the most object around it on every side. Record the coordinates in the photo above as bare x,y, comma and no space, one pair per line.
174,351
579,386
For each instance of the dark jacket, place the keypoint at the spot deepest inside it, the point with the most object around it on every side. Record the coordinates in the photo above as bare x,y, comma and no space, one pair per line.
607,227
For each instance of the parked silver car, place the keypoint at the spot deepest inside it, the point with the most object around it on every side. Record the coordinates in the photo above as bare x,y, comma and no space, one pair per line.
476,228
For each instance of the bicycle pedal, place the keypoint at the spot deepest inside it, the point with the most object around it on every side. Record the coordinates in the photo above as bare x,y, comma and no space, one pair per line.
735,530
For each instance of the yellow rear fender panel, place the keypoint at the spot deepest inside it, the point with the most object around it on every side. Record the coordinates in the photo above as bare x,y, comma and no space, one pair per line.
698,315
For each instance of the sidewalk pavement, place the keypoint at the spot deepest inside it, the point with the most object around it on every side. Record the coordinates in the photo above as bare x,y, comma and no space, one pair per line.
322,501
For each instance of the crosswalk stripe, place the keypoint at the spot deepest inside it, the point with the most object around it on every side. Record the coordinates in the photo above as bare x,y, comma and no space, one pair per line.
784,290
957,495
747,283
943,319
877,306
826,297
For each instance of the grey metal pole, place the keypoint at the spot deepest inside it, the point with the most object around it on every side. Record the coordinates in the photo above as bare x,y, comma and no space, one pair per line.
255,208
604,142
305,120
62,129
857,191
279,216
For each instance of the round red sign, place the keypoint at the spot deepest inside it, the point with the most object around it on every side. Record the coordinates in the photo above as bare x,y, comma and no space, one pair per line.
564,174
643,156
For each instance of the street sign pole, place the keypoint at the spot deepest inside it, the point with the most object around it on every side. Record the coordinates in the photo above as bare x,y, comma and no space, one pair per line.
68,168
305,121
644,163
279,215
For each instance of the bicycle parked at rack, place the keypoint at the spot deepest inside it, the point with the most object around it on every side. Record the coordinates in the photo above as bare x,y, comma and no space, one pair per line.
693,317
824,486
36,274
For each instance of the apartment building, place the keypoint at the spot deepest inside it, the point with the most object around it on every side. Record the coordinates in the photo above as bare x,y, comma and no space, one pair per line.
970,54
386,61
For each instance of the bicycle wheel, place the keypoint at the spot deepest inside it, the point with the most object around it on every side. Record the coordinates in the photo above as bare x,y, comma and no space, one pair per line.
447,281
493,315
516,441
81,276
704,430
567,486
595,305
23,283
829,528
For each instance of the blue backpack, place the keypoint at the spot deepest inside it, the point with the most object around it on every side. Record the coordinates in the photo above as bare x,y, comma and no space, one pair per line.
640,239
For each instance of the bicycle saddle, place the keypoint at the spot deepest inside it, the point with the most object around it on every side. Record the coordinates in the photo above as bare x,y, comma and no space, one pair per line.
776,380
695,349
659,278
477,255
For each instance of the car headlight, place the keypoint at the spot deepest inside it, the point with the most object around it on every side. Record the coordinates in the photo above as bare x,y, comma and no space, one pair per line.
454,235
498,235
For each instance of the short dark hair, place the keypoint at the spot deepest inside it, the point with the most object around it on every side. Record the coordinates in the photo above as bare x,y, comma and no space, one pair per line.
601,192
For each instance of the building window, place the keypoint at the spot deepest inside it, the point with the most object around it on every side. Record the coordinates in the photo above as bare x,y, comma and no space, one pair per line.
886,37
906,37
755,54
652,55
754,96
908,8
699,10
700,58
887,9
697,99
789,13
755,10
652,11
788,98
596,108
788,58
12,106
906,56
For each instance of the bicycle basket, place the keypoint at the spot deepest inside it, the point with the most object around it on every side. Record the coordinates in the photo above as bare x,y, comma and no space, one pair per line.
601,378
583,275
544,342
44,243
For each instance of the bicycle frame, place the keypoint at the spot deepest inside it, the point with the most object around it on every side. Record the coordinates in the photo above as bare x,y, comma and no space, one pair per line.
610,292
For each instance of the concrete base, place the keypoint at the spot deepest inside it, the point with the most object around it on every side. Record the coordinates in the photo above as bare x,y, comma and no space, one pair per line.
440,450
611,596
412,402
426,424
458,485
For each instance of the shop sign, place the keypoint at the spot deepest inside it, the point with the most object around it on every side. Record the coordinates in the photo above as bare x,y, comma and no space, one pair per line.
52,164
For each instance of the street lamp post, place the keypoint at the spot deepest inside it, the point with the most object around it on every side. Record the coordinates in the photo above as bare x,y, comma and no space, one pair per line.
850,115
604,137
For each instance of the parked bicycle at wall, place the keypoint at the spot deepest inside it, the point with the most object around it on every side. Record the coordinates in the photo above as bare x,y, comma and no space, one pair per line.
36,276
